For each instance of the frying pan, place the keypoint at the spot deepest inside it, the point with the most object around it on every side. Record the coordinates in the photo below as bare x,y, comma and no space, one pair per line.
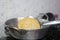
11,26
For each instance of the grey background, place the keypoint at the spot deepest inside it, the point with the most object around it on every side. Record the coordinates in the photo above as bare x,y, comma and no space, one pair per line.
16,8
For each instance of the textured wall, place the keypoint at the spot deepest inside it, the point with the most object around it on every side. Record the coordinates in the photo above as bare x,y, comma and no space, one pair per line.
15,8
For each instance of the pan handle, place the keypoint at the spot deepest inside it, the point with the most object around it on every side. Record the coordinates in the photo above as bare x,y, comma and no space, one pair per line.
51,23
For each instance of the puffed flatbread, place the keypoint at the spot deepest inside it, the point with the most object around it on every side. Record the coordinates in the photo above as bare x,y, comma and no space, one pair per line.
28,24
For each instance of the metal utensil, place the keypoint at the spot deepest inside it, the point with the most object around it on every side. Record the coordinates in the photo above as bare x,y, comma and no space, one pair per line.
28,34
